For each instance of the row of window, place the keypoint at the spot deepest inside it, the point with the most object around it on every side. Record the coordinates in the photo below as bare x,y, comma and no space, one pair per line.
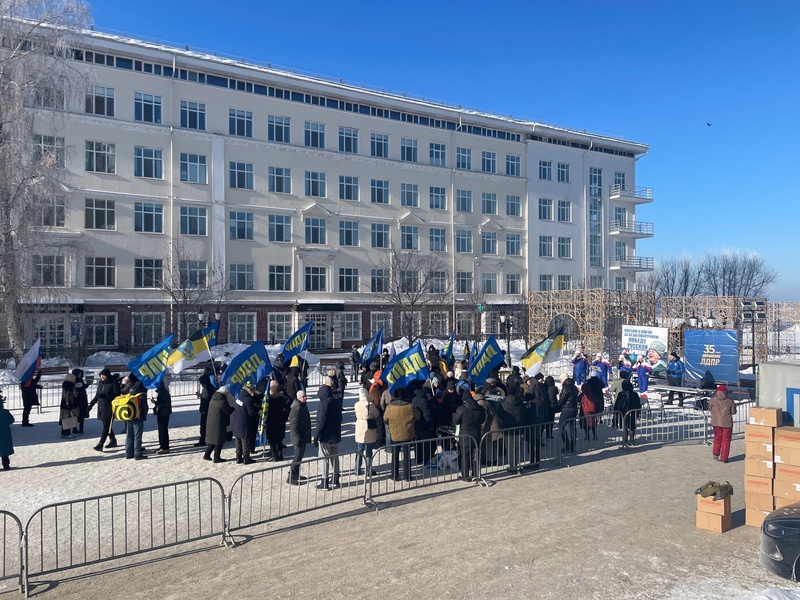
564,282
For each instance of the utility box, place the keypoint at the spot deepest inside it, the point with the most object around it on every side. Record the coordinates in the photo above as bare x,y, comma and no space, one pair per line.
779,387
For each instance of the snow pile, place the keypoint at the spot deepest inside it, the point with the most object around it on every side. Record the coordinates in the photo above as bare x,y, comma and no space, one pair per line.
775,594
101,359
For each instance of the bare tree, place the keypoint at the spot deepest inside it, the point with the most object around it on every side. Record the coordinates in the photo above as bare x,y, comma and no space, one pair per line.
736,273
36,81
678,277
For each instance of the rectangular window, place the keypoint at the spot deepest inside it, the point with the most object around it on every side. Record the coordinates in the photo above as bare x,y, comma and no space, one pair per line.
438,154
241,328
546,246
379,145
315,230
147,108
100,330
315,184
348,279
564,247
438,282
379,281
193,115
280,180
619,179
148,162
438,239
488,242
409,194
565,282
316,279
241,225
193,274
147,329
545,170
513,165
620,284
280,228
409,237
595,182
408,150
489,204
193,220
49,270
464,282
100,101
348,233
380,235
351,326
280,278
240,175
378,320
488,162
148,272
545,283
314,135
513,244
545,209
411,323
278,129
409,281
463,201
101,214
513,284
101,157
489,283
620,250
438,199
101,272
52,98
563,172
148,217
193,168
464,158
564,211
379,191
348,140
279,326
465,323
348,188
52,332
464,241
596,281
621,216
240,123
49,212
513,206
49,151
241,276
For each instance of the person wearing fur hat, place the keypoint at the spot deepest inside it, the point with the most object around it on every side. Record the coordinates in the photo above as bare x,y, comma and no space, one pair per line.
107,390
722,410
6,442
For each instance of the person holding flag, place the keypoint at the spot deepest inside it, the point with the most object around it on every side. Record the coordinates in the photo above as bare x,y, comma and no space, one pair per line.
544,352
373,348
194,350
29,373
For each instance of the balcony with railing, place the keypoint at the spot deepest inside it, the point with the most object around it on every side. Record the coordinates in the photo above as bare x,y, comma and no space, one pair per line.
632,263
629,193
631,228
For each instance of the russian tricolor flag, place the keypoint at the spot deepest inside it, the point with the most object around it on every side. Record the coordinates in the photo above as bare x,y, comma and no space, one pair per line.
29,364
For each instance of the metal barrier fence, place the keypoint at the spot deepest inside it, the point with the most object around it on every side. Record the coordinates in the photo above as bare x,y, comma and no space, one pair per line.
11,547
91,530
513,449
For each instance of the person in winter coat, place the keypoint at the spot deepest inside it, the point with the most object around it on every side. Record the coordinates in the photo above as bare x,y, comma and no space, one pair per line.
580,368
366,414
135,427
68,395
244,423
602,367
493,445
6,442
376,389
400,416
341,376
275,422
538,411
81,401
568,401
469,417
433,357
551,392
219,411
328,433
293,383
675,371
514,382
107,390
514,416
355,363
643,370
424,427
30,397
722,410
300,430
208,386
627,402
588,409
162,409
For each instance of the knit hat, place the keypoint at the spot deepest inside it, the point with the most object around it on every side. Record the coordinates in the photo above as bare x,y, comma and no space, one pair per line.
599,355
722,388
106,372
674,354
301,393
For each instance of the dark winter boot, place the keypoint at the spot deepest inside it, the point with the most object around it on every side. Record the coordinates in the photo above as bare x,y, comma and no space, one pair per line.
323,485
336,481
279,450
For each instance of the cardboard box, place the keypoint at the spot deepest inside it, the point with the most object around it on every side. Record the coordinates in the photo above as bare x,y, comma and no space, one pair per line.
786,455
757,485
764,415
786,489
759,433
714,507
755,517
759,450
788,437
759,467
717,523
781,502
759,501
788,473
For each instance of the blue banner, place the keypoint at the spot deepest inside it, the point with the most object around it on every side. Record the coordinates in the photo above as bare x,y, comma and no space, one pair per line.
151,366
712,350
373,348
297,342
252,364
486,359
406,367
447,351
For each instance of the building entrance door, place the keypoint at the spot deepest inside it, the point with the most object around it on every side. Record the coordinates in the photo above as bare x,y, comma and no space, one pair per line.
320,333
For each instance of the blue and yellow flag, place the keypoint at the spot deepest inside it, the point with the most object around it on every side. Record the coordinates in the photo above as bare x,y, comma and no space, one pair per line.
548,350
486,359
252,364
406,367
194,350
297,342
447,351
151,366
466,352
373,348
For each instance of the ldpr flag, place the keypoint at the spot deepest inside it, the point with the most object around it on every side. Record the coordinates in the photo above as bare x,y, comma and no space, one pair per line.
252,364
486,359
373,348
297,342
194,350
406,367
151,366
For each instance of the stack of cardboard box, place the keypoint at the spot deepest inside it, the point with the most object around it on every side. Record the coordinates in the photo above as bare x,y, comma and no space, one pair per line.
770,480
714,515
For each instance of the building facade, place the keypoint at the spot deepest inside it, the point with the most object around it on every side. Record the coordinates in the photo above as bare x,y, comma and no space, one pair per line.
266,198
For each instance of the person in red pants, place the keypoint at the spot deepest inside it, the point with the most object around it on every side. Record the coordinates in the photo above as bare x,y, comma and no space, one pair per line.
722,410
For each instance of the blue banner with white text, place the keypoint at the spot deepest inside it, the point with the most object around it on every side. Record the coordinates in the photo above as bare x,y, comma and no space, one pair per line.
712,350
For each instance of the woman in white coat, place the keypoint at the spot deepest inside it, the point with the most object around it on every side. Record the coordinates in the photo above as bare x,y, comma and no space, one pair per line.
368,419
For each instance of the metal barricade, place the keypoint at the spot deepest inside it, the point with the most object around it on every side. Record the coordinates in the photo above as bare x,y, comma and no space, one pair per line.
742,416
91,530
10,547
514,449
266,495
673,425
597,431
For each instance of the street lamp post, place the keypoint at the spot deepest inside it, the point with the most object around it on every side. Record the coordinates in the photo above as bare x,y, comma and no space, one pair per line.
507,324
755,312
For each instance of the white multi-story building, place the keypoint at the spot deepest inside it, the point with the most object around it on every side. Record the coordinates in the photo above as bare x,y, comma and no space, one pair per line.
278,191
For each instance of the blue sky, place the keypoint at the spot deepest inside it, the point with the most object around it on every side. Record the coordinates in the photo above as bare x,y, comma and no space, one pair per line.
649,71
